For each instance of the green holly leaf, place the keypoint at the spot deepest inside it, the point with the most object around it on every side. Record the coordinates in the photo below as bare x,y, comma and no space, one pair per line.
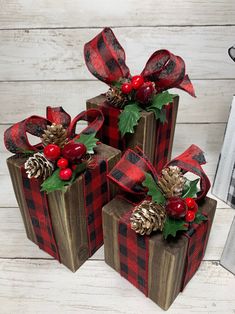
199,218
54,183
190,189
159,114
117,84
153,189
129,118
89,140
172,226
162,99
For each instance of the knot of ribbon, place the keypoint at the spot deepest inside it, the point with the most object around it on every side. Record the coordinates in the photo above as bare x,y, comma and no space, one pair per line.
130,171
105,59
16,138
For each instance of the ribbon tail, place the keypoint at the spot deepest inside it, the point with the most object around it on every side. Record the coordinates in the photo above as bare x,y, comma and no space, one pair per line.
187,86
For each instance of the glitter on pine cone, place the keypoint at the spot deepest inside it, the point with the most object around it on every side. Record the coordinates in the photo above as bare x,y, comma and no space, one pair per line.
55,134
172,181
148,217
116,98
38,166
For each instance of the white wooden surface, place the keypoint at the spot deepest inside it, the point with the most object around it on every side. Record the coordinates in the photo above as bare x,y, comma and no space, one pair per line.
41,64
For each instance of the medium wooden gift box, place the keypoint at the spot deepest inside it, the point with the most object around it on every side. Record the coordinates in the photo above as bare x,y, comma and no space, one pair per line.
151,115
65,223
152,136
158,266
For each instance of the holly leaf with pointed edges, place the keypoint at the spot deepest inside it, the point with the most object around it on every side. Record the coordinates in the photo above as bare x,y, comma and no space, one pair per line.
129,118
162,99
159,114
172,226
190,188
89,140
54,183
153,189
199,218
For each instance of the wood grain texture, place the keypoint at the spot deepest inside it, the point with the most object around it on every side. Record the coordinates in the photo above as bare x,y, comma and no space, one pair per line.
166,258
22,99
58,54
15,14
67,211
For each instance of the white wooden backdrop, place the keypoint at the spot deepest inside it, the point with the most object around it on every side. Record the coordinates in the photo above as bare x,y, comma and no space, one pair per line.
41,63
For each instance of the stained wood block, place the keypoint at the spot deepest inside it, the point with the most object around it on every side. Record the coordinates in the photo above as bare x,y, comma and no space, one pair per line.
146,130
166,258
67,210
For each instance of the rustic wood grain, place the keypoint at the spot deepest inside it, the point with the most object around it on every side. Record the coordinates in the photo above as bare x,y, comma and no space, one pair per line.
58,54
67,210
22,99
166,258
84,13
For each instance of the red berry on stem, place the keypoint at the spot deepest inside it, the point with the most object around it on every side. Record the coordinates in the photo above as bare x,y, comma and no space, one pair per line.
62,163
145,93
126,88
65,174
137,81
191,203
176,207
74,151
52,152
190,216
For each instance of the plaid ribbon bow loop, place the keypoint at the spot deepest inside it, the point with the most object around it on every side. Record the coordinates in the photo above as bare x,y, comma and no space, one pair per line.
105,59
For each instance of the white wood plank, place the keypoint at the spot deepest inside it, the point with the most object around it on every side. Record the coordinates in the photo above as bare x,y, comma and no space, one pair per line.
14,244
46,287
58,54
207,136
22,99
84,13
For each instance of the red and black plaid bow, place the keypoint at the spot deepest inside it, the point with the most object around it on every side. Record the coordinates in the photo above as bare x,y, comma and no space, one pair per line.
130,171
105,58
16,139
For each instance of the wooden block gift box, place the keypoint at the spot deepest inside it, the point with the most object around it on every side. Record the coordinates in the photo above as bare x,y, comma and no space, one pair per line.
66,222
158,267
138,110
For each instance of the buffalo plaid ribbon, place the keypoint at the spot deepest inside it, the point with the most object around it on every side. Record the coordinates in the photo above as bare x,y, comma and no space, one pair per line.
129,173
96,196
105,58
16,141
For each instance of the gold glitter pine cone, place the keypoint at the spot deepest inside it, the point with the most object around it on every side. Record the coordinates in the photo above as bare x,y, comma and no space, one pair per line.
55,134
116,98
37,166
148,217
172,181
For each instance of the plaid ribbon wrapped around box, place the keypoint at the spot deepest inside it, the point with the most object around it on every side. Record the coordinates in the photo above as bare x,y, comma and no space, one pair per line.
105,58
128,174
95,184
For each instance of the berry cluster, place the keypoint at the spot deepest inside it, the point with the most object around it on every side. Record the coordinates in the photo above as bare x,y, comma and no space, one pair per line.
66,158
141,91
178,208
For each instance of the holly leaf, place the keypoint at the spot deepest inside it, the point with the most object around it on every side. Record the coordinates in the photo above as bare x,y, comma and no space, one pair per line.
129,118
172,226
199,218
159,114
89,140
162,99
190,188
54,183
153,189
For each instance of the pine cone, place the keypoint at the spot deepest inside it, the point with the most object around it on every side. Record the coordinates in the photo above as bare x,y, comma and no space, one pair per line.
38,166
172,181
148,217
116,98
55,134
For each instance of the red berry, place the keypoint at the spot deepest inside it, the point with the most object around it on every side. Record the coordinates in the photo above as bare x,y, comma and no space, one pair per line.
176,207
191,203
74,151
52,152
62,163
145,93
126,88
190,216
137,81
65,174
